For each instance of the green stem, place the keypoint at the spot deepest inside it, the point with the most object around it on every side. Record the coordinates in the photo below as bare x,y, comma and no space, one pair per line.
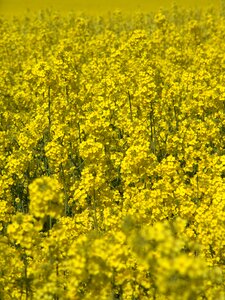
49,111
78,124
152,128
95,214
130,105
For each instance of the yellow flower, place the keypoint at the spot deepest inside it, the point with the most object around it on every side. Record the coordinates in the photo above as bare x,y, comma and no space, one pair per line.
46,198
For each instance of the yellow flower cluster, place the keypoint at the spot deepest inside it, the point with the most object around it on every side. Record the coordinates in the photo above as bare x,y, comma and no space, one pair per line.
112,156
45,198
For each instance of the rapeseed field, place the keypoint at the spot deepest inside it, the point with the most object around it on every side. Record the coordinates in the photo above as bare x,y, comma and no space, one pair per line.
112,156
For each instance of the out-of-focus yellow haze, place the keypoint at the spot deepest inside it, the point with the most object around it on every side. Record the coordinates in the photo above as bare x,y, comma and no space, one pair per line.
17,7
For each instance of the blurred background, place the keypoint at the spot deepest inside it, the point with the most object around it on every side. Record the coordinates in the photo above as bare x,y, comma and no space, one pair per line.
17,7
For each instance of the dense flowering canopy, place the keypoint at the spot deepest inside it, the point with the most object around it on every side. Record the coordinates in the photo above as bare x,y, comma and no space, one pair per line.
112,156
